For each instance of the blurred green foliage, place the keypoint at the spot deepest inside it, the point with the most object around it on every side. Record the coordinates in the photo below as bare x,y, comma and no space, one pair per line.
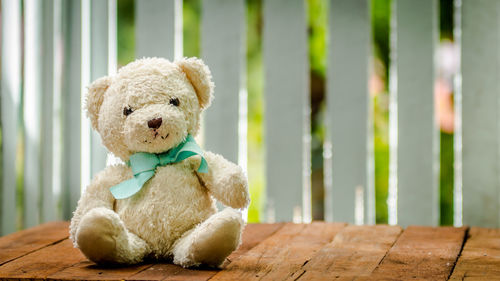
191,17
380,22
255,138
125,32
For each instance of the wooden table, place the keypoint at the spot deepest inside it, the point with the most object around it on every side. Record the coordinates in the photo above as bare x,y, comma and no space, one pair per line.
317,251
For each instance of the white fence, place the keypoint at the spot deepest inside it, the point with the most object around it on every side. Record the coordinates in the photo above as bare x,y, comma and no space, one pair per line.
58,47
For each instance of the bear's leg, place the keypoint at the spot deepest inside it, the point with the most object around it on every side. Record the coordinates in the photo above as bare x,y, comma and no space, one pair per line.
103,238
211,241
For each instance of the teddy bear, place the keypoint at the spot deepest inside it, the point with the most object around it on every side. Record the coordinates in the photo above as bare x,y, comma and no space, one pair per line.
160,202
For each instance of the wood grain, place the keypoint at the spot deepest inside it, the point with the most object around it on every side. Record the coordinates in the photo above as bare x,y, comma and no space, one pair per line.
252,235
480,258
355,251
317,251
42,263
421,252
24,242
87,270
156,272
281,254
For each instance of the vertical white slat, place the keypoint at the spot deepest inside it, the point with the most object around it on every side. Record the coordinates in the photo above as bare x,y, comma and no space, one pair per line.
49,208
112,37
112,57
32,118
85,72
158,28
71,101
287,110
480,112
457,103
57,109
392,192
223,50
417,143
11,92
99,61
348,107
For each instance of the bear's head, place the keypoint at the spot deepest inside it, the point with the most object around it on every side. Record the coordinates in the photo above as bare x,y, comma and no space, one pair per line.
150,105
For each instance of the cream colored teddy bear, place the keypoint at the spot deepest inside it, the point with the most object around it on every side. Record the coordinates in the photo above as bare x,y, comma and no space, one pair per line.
161,204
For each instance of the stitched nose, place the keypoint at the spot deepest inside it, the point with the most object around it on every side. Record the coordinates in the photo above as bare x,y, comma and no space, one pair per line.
154,123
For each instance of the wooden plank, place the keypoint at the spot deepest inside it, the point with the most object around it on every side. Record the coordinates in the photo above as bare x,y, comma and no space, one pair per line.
348,102
421,252
87,270
417,141
480,257
252,235
193,275
158,29
32,113
480,117
23,242
44,262
71,99
287,110
355,251
11,95
159,271
223,50
282,254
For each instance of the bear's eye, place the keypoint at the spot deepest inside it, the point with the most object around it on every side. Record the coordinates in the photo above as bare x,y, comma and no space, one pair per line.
174,101
127,111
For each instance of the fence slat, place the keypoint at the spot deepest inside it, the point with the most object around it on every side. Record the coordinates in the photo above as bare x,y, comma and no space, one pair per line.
11,92
98,68
32,111
287,110
223,21
480,117
158,29
417,138
71,90
48,203
112,36
348,101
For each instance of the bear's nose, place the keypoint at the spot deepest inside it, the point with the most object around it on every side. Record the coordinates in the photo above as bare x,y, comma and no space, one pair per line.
154,123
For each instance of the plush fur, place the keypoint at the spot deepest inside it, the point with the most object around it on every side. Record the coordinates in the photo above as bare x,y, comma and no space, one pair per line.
174,215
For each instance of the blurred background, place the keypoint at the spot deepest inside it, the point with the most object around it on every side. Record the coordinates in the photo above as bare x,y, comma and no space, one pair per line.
378,86
317,32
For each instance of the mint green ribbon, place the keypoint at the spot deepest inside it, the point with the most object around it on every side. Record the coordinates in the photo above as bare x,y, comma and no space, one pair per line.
144,165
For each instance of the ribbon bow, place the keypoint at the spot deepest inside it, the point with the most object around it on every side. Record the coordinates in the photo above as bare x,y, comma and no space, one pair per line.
144,165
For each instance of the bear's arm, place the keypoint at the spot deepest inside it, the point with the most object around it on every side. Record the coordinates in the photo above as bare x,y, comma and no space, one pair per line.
224,180
97,194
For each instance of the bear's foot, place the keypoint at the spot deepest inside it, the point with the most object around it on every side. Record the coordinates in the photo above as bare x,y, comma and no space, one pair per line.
210,242
103,239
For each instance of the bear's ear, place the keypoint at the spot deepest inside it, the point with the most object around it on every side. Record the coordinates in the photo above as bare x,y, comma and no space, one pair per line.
199,75
95,97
